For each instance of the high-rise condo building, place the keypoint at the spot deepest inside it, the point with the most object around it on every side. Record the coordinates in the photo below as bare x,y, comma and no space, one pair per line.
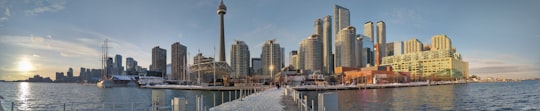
439,42
368,30
413,46
311,51
159,60
342,18
256,65
326,37
118,64
271,58
240,59
358,50
131,66
345,43
179,62
367,52
70,73
381,41
294,59
389,49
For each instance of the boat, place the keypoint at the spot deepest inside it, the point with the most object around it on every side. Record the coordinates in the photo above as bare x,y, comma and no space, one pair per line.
118,81
149,80
113,80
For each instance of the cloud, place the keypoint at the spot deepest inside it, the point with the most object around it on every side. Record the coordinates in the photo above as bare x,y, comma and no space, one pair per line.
64,54
53,7
7,12
505,65
66,47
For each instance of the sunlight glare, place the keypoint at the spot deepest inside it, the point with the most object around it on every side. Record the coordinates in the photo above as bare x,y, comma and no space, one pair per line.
25,66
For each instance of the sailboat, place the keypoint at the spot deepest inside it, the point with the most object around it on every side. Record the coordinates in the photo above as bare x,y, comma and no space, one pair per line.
113,80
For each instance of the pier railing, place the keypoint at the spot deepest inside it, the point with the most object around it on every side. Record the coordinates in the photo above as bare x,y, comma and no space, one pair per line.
87,106
300,99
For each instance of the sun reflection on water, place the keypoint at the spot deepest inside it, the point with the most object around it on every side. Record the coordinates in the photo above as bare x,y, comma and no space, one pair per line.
23,95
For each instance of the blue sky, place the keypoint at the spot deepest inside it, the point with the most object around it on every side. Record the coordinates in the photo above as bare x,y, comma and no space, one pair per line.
497,37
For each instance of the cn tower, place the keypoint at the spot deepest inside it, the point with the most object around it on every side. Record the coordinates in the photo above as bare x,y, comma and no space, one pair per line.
221,10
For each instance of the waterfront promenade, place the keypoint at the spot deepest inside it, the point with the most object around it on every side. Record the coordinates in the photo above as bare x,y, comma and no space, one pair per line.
273,99
371,86
268,100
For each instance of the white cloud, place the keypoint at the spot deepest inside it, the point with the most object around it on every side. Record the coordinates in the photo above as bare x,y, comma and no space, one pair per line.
7,12
54,7
60,46
64,54
35,55
508,66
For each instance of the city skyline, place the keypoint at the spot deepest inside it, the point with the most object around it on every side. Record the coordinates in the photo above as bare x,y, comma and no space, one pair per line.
44,37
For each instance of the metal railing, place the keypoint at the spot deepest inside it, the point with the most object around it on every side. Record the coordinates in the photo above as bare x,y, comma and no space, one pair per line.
88,106
300,100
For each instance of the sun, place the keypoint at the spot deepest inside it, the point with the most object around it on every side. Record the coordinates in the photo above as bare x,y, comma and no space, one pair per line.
25,66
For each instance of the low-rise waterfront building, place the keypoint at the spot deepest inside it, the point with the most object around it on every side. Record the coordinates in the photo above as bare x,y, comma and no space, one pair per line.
444,63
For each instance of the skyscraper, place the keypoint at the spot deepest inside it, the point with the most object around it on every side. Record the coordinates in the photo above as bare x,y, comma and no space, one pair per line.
412,46
341,18
368,30
70,73
326,37
367,52
439,42
345,47
178,61
381,41
131,66
389,49
271,58
118,64
240,59
221,10
358,49
256,65
295,59
159,60
109,67
311,50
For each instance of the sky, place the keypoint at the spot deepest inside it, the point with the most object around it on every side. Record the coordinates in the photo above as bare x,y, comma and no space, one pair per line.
497,37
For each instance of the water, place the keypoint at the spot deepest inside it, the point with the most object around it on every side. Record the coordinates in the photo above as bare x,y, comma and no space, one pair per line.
52,96
523,95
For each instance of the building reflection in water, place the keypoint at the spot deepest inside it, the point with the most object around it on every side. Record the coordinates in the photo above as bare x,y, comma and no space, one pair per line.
411,98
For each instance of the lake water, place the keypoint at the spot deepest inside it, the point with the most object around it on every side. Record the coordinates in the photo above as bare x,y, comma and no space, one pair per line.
52,96
512,96
523,95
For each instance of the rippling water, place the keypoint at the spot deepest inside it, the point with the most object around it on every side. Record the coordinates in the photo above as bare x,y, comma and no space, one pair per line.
47,96
523,95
